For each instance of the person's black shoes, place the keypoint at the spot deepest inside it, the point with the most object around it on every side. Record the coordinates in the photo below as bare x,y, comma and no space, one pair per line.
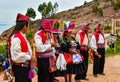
77,80
95,76
85,79
99,74
102,73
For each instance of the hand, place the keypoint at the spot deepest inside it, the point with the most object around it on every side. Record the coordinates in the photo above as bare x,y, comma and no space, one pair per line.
81,61
76,62
55,59
53,45
33,59
73,52
97,54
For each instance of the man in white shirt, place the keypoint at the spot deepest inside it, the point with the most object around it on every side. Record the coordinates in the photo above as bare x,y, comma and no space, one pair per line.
20,50
44,51
98,45
82,39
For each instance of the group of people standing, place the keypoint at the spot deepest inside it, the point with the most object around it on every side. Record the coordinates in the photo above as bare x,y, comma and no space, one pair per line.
56,54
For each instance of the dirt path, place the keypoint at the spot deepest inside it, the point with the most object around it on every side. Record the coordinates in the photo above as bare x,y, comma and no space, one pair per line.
112,71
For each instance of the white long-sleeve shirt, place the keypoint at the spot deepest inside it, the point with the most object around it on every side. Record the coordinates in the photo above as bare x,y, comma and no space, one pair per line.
93,44
16,54
85,41
40,47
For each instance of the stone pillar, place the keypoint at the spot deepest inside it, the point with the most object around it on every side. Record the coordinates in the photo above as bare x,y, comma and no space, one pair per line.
112,26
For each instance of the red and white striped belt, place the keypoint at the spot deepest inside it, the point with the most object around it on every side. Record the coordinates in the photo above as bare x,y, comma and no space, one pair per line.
83,47
100,45
46,54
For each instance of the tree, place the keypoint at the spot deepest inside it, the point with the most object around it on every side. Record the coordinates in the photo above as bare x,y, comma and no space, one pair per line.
56,7
48,9
85,2
31,13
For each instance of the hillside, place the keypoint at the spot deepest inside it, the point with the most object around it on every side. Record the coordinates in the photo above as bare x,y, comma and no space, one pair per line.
79,15
6,33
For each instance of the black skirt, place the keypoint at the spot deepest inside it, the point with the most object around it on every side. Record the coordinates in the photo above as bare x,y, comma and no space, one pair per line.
72,69
59,73
76,68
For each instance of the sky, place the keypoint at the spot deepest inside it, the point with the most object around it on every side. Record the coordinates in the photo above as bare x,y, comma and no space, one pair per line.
10,8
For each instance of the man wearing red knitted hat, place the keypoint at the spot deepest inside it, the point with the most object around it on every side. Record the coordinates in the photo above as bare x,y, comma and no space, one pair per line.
20,50
82,39
44,51
97,44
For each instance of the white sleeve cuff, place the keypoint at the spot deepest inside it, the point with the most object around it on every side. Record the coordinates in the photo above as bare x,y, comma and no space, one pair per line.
28,57
49,46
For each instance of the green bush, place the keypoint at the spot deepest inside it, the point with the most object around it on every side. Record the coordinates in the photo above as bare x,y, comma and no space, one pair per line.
29,35
110,51
3,49
100,11
95,8
107,28
117,5
118,46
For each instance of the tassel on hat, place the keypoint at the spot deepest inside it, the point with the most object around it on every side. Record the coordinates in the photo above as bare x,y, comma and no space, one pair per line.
69,26
55,28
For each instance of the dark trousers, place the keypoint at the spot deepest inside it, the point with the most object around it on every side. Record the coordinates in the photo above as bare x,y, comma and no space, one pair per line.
85,55
98,64
21,73
43,70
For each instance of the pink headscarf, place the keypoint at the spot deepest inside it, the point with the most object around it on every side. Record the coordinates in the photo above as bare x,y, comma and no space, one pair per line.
85,26
99,27
47,24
